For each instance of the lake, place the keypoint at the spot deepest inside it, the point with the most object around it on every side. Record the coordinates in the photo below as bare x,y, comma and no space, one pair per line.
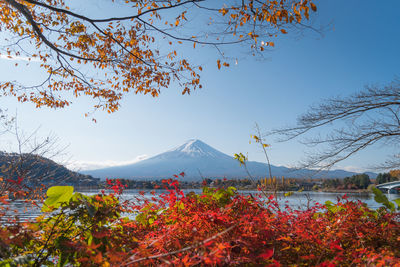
298,200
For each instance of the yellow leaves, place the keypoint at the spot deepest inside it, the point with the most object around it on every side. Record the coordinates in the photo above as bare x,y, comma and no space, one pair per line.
219,64
241,158
256,138
288,194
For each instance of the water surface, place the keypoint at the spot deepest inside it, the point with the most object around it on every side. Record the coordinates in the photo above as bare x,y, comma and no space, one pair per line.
298,200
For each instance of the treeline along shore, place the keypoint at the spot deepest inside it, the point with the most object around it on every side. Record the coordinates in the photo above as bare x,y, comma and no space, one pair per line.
358,183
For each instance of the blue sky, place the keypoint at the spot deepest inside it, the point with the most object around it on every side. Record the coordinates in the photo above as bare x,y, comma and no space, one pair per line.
359,46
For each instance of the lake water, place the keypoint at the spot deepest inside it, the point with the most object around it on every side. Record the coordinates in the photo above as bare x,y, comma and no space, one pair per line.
298,200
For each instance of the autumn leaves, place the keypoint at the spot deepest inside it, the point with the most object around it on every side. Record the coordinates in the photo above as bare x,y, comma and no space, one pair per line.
106,58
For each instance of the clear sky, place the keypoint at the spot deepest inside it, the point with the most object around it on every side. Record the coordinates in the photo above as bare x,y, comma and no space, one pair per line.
359,46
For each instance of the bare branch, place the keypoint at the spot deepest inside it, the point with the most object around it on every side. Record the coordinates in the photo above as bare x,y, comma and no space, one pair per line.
79,16
369,117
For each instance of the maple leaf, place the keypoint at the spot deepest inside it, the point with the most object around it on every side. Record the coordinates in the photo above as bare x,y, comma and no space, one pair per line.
267,254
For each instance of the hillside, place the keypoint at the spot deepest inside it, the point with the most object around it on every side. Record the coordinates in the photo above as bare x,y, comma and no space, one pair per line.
40,170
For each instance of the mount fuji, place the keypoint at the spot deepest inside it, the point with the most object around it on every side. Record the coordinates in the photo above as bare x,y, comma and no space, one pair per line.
199,160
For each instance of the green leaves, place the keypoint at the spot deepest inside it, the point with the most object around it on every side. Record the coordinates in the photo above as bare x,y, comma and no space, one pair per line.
221,195
382,199
332,207
398,203
56,195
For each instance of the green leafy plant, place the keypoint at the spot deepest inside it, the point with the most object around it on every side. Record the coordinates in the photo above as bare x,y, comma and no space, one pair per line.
382,199
57,195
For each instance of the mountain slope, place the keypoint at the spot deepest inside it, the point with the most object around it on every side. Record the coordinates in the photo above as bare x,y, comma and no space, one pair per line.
198,160
35,170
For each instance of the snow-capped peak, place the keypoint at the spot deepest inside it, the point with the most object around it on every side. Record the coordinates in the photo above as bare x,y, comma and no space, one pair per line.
192,146
196,148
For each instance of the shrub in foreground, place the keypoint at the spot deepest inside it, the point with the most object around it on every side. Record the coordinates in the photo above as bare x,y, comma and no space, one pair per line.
217,227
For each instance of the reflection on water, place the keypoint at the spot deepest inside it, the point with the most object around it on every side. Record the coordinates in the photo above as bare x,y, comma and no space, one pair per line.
298,200
20,210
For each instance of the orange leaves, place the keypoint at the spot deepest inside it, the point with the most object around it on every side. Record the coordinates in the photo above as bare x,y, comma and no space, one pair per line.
219,65
120,55
178,19
395,173
4,200
263,44
313,7
124,52
257,15
75,27
109,57
224,11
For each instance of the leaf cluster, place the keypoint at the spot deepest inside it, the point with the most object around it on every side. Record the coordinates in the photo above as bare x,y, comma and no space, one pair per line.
218,227
106,58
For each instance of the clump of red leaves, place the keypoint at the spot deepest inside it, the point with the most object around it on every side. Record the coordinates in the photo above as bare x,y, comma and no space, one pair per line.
221,227
115,185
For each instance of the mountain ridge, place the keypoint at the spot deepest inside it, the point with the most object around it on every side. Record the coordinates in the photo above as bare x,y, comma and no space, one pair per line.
36,169
199,160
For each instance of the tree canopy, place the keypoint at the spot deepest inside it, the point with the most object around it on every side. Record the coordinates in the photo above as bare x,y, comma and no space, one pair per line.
387,177
105,58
